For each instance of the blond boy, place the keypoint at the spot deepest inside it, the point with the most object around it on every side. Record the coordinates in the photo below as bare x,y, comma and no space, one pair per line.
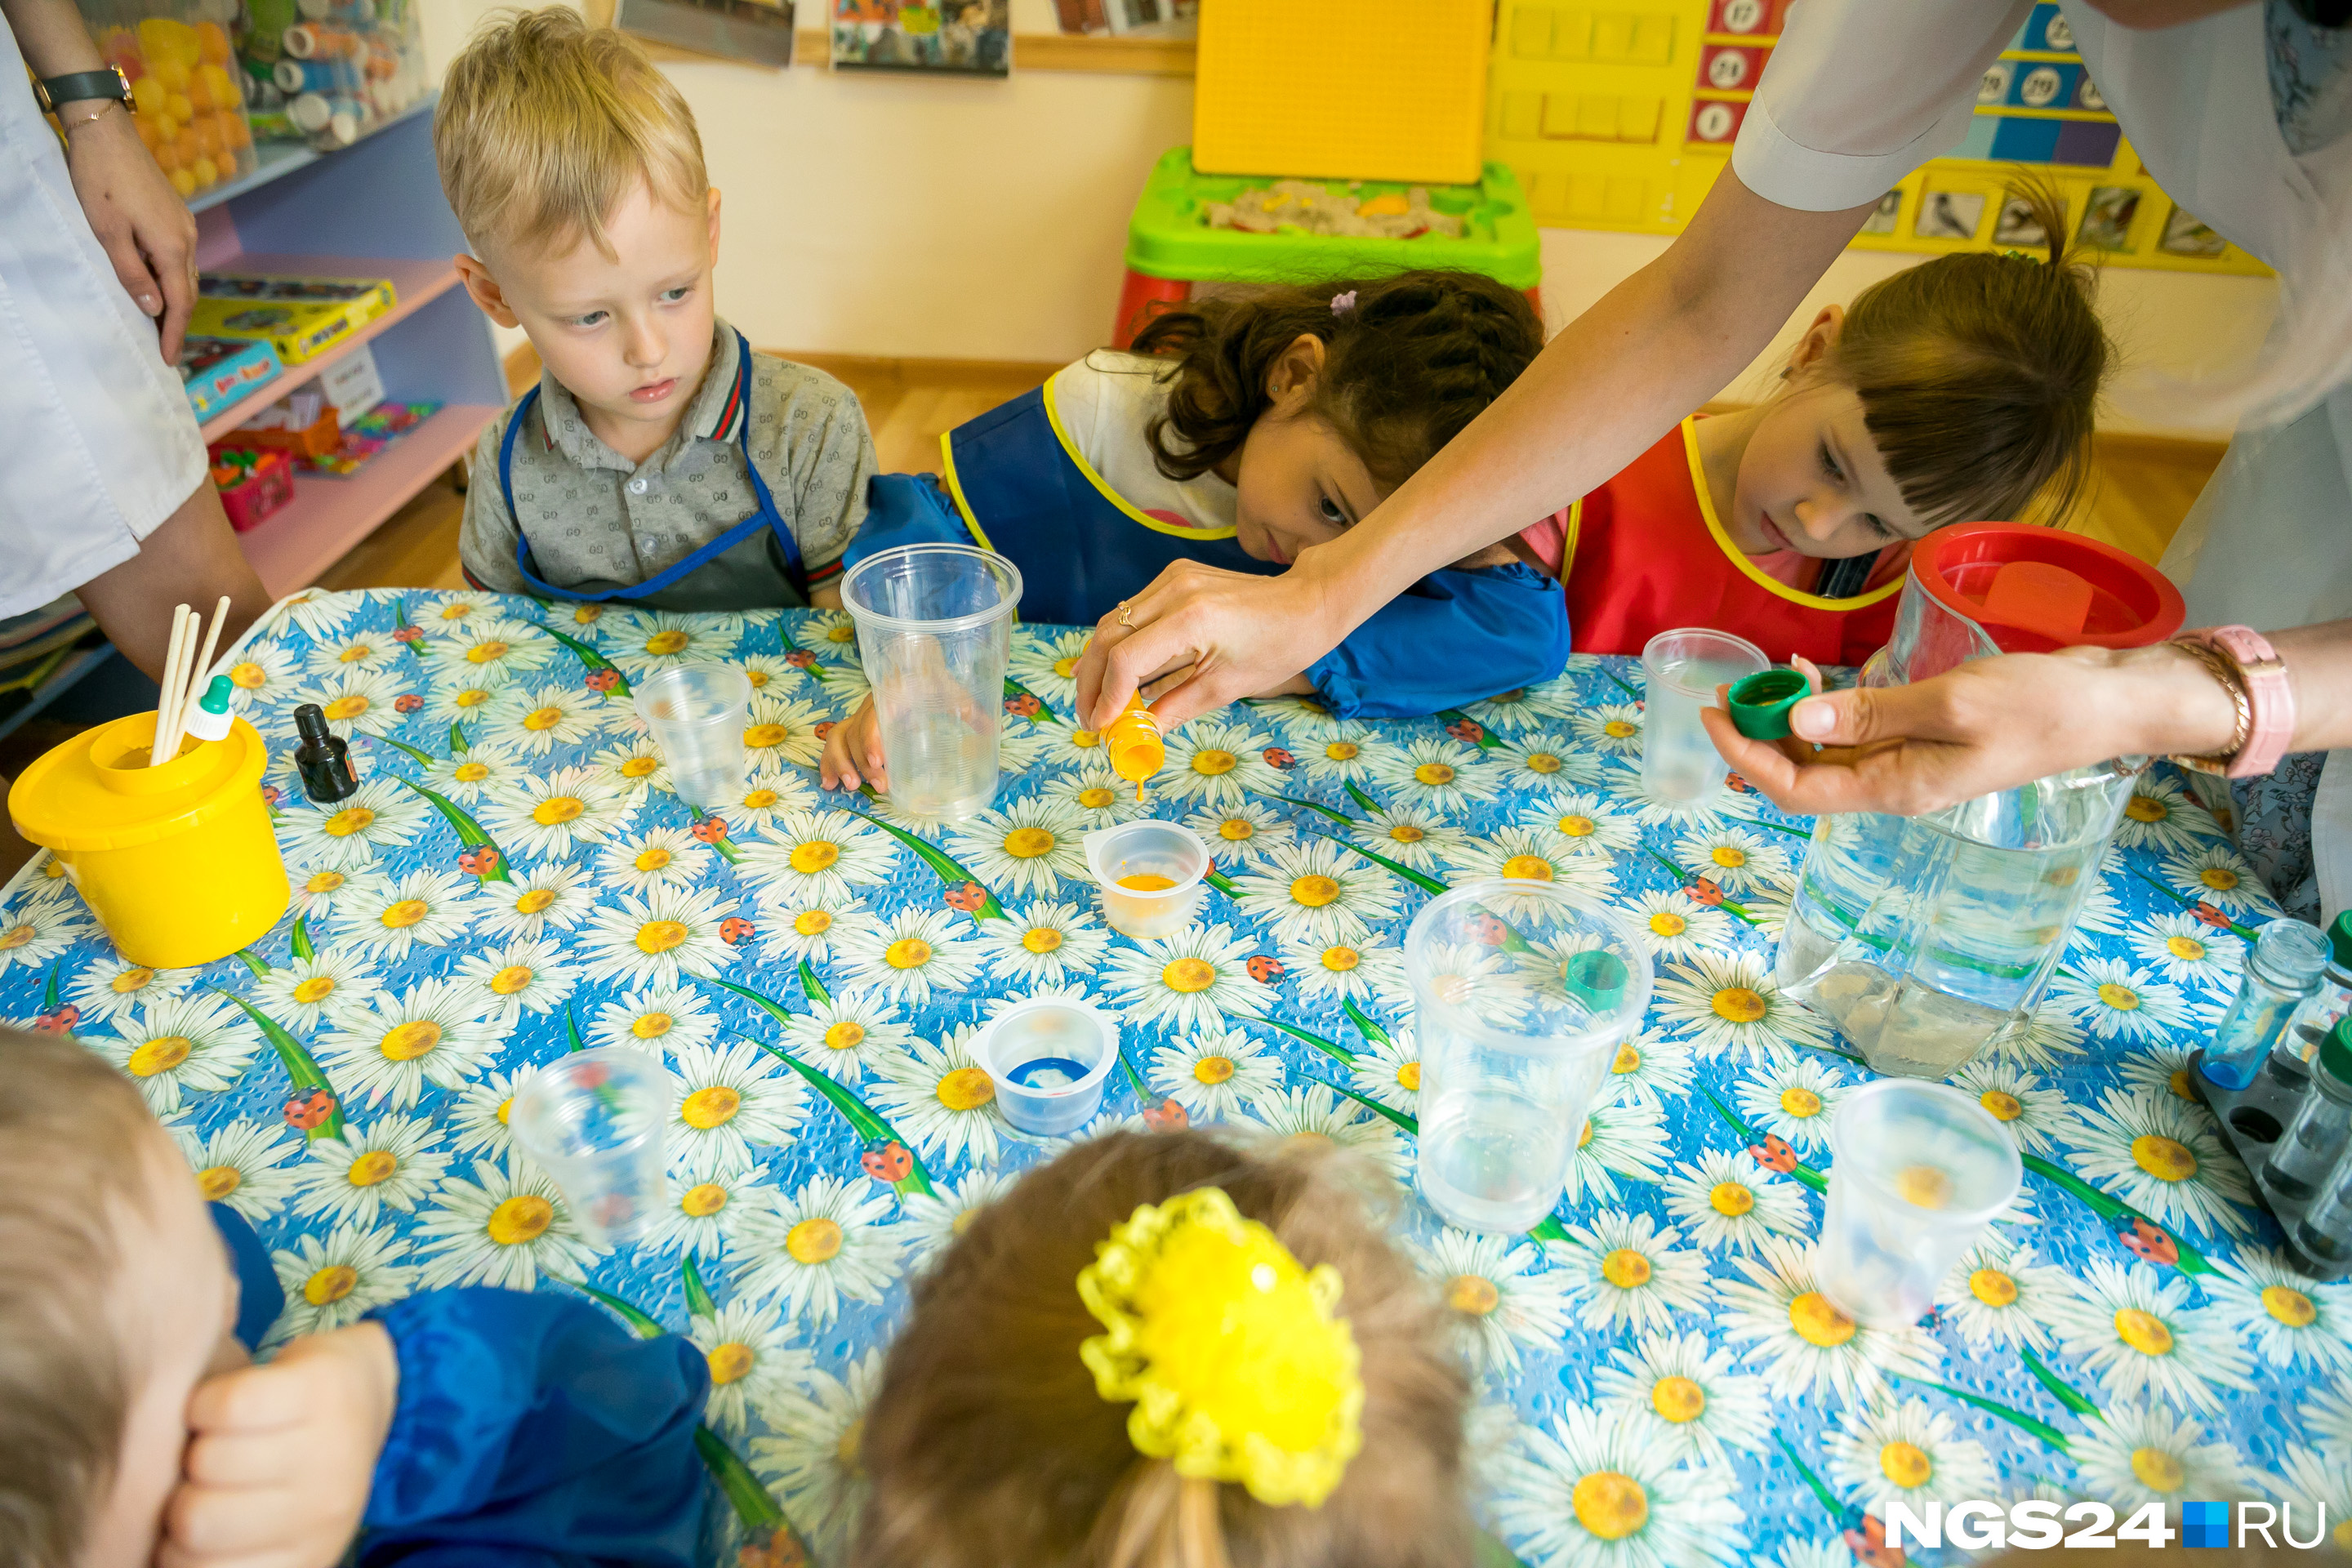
659,461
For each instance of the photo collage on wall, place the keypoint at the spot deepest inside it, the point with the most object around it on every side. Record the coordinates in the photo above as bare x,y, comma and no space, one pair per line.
957,38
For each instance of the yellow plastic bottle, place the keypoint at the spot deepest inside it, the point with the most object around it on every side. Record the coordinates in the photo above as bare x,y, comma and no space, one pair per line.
1134,744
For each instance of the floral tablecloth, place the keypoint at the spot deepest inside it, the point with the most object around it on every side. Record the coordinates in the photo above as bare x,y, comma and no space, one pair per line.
515,879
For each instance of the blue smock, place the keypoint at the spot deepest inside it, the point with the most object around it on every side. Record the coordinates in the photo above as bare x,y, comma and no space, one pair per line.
1016,483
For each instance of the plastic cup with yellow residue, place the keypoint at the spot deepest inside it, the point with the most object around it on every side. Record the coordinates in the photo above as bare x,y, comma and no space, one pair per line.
1151,874
178,862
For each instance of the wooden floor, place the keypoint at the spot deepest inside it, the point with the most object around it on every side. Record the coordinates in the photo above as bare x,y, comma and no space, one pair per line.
2141,488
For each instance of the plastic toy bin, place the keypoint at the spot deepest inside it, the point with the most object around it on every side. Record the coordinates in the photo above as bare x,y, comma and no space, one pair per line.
1170,247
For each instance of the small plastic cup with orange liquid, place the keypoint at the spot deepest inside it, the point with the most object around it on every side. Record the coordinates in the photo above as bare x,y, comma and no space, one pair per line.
1133,744
1151,874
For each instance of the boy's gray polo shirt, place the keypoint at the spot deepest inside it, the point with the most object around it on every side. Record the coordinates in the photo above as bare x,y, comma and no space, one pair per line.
597,521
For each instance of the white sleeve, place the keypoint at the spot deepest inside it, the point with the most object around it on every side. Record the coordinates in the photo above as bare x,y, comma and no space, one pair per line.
1858,94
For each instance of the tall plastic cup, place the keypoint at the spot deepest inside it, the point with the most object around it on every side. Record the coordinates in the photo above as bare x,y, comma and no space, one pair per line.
1917,1172
934,627
1521,997
696,713
1683,669
594,1121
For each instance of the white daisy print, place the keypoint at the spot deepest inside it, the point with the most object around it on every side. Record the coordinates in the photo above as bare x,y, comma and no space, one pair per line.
1212,1073
524,976
2318,1481
2295,1320
2032,1112
1535,854
1068,746
848,1037
701,1216
2116,1002
536,718
810,1461
942,1097
462,697
1794,1099
642,641
394,1163
2185,951
816,1245
1800,1342
358,700
34,934
635,766
1245,832
1612,727
1729,1005
1047,664
445,612
1187,981
482,1114
1541,761
1026,849
661,856
1734,857
2132,1454
483,643
317,893
782,731
654,939
2216,876
1315,892
114,985
803,929
1596,1493
2048,1034
472,775
423,907
1438,774
1502,1298
1626,1272
1997,1296
179,1045
1727,1200
1673,924
723,1100
1338,758
1044,944
503,1228
1505,712
334,1282
1303,716
1616,1139
2162,816
1706,813
1369,971
815,856
1589,822
382,814
655,1019
1646,1069
1488,981
1411,834
1689,1391
1906,1451
1318,1116
910,956
752,1360
1390,1072
766,797
548,896
262,674
552,813
1217,762
2139,1335
1097,797
2163,1158
316,612
433,1033
935,1218
242,1165
2327,1416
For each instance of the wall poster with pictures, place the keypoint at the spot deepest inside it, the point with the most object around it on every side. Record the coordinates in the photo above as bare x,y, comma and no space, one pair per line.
1156,18
953,37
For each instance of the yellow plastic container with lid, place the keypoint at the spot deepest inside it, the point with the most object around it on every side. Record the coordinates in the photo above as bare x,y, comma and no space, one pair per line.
178,863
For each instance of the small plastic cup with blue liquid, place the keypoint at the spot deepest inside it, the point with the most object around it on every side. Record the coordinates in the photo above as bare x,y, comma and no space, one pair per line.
2283,967
594,1121
1048,1056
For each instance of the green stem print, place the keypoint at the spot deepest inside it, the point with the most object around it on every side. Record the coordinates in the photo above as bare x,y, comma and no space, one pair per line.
799,658
1620,682
1793,831
1373,1034
1703,889
417,755
1770,1149
2197,907
1219,880
2032,1425
698,1295
962,889
1426,884
316,1108
458,744
811,987
2065,1393
481,855
252,961
602,674
1345,1057
1357,795
2139,1234
303,949
1398,1119
571,1030
862,1118
1342,818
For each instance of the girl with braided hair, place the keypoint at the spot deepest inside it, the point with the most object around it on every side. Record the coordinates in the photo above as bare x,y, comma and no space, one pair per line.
1240,431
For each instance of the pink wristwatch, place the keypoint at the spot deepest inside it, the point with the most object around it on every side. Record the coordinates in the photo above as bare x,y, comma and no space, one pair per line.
2264,698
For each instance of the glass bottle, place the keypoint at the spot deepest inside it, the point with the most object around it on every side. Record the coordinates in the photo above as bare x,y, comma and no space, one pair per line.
2317,1017
2309,1149
2323,1235
2282,969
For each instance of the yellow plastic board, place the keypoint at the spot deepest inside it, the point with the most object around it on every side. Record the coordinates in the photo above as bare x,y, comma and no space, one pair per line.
1355,89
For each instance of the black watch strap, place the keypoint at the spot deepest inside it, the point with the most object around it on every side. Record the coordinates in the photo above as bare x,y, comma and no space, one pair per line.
108,83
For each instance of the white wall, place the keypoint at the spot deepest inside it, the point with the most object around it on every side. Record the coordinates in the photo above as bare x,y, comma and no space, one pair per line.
888,214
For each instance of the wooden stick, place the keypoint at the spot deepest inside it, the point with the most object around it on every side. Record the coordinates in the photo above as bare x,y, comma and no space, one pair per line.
176,652
195,681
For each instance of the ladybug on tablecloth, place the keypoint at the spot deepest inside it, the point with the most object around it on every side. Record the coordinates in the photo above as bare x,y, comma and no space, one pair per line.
885,1160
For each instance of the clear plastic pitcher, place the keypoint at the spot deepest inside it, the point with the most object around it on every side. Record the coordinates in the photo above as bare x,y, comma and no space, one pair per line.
1522,994
696,713
934,627
594,1121
1922,938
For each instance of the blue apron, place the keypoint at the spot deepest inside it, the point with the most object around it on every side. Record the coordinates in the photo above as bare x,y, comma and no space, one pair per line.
766,526
1016,484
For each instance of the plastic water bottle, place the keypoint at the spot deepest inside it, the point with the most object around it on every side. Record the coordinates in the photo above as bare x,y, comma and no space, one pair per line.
2324,1233
2310,1148
2282,969
2316,1018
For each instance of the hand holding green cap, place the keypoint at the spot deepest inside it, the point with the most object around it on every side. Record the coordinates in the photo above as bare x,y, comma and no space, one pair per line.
1760,703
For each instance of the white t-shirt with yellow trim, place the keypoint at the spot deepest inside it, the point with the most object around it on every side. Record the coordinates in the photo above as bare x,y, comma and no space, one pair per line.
1105,403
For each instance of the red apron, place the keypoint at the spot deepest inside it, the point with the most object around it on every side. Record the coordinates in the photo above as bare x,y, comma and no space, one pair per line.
1645,554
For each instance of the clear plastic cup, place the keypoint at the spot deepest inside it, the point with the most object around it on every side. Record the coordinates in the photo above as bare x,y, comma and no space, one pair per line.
1048,1056
934,627
1522,994
594,1122
1682,670
1917,1171
697,712
1151,874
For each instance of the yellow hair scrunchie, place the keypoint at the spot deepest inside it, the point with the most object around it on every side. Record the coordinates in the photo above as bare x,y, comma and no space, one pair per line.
1238,1366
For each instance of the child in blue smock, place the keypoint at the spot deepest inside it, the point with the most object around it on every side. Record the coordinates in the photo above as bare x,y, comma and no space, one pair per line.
456,1427
1239,432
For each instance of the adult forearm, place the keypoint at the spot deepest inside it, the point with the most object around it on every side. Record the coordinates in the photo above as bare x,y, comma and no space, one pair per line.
2173,706
51,37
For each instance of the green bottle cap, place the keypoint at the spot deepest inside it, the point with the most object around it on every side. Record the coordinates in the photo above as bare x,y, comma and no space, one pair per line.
1760,703
1596,979
2336,1052
216,696
2339,939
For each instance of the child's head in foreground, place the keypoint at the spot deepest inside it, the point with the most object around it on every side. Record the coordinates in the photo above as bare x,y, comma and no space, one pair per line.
116,1298
1318,401
993,1441
1957,391
577,173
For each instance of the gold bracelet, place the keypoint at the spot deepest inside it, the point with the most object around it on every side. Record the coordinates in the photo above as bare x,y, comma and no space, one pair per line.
92,118
2219,665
